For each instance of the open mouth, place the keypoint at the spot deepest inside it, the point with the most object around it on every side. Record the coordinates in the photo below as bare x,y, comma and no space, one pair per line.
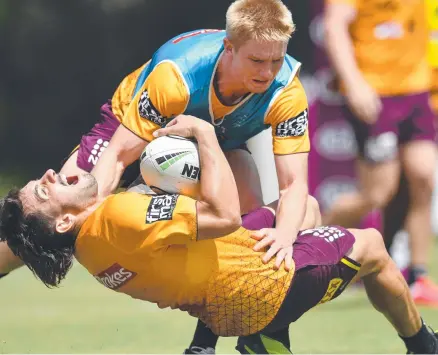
68,180
72,180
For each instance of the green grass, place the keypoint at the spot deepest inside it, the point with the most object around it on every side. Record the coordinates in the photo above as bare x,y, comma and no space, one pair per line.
84,317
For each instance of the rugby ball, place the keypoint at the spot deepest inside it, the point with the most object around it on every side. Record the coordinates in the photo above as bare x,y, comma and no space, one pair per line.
170,164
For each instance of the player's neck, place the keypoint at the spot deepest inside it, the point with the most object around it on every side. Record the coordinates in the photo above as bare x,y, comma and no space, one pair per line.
83,215
228,90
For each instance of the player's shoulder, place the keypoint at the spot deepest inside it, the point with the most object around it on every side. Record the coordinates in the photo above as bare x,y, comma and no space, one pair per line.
294,88
116,200
291,97
123,205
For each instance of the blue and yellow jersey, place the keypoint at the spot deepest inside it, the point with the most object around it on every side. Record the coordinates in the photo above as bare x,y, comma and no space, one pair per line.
179,79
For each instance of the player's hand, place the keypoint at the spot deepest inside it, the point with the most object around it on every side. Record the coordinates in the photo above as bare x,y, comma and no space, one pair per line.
184,126
278,245
364,101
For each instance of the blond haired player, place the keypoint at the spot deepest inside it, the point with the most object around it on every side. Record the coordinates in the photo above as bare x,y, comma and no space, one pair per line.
378,49
194,255
242,81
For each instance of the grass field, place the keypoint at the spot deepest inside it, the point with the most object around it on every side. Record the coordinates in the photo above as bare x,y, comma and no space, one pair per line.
83,317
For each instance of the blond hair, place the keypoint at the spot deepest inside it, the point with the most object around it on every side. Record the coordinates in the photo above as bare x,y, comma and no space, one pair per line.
261,20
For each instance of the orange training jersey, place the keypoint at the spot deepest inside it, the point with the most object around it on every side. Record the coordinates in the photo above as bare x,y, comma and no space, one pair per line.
169,96
390,42
432,20
145,246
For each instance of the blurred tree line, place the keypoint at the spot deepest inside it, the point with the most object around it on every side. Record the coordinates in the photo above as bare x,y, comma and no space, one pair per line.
61,60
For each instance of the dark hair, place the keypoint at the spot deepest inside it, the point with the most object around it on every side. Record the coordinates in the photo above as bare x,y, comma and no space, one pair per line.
33,238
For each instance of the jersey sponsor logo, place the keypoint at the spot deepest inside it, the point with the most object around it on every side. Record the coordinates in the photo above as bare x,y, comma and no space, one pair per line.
115,276
330,234
293,127
191,172
168,160
161,208
148,111
97,151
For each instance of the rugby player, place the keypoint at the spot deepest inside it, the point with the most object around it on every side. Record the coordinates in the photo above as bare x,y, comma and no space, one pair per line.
195,255
379,51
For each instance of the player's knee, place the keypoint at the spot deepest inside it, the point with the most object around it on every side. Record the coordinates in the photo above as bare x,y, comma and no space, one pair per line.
369,250
422,184
379,198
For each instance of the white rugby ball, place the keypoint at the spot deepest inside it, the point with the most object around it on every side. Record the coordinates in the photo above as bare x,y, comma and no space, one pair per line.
170,164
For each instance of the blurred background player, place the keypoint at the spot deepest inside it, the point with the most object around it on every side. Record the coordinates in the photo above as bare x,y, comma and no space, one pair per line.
378,50
396,211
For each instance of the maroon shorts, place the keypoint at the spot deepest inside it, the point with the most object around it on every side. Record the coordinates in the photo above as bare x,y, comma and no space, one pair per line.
322,269
403,119
93,144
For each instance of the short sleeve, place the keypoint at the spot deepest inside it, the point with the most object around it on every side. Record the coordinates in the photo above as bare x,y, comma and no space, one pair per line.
163,95
288,116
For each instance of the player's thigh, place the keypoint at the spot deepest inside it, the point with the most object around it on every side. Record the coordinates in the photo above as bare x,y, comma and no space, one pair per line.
419,163
418,151
368,251
247,179
378,182
8,261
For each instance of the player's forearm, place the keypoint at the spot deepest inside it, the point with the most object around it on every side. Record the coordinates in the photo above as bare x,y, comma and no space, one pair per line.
108,172
218,187
291,208
124,148
341,51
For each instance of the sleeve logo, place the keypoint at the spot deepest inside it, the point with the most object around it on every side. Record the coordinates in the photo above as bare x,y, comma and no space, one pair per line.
148,111
161,208
293,127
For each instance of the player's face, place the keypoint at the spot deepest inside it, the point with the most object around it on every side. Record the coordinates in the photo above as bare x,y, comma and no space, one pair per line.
57,194
258,63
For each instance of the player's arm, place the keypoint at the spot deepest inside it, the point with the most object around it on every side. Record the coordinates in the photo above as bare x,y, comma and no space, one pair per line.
292,181
288,117
290,134
162,96
218,207
361,97
124,148
338,16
